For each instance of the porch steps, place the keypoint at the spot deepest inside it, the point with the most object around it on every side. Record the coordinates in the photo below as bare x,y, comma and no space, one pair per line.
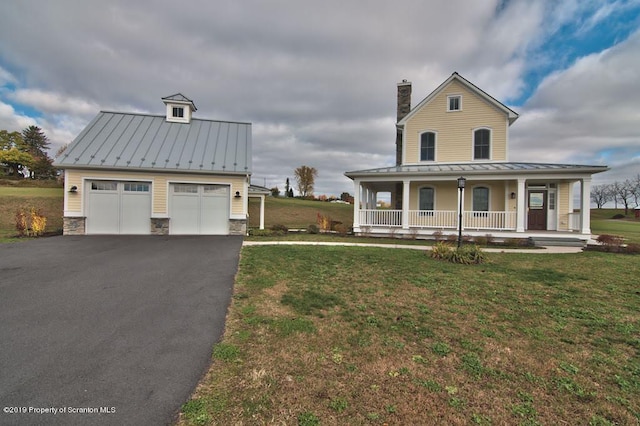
557,242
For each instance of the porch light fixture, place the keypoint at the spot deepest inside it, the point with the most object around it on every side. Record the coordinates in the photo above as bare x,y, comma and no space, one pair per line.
461,182
513,195
238,194
73,189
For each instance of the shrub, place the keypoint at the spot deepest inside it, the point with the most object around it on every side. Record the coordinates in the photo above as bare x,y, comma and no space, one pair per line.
341,229
441,250
610,243
38,223
437,236
324,222
21,223
32,225
467,254
618,216
482,241
632,248
313,229
516,242
261,232
279,229
490,239
452,238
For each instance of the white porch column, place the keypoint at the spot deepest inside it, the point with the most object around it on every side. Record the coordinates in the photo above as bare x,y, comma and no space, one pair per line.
356,203
262,197
585,206
521,205
405,203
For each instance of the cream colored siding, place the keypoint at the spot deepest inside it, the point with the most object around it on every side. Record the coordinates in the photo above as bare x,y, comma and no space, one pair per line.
446,195
159,187
454,142
564,206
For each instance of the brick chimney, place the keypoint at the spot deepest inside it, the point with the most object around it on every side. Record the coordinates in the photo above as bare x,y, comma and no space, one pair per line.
404,106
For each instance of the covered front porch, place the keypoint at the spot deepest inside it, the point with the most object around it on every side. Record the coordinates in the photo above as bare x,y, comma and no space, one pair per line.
505,208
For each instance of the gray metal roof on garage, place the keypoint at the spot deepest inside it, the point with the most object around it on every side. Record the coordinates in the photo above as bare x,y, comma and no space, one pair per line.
115,140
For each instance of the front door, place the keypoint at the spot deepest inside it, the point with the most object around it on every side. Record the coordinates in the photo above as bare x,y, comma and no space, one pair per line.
537,210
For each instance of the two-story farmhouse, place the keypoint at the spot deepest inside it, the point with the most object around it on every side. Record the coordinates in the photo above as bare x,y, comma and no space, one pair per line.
460,131
129,173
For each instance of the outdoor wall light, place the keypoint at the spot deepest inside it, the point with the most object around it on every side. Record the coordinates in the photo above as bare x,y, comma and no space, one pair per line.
73,189
238,194
513,195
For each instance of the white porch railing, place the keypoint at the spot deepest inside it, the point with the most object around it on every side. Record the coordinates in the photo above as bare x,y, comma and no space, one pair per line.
439,219
489,220
433,218
380,217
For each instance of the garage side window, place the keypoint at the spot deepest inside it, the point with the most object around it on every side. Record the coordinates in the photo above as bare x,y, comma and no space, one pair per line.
185,189
104,186
136,187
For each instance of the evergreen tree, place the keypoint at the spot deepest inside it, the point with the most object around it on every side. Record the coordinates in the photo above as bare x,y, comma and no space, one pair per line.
34,141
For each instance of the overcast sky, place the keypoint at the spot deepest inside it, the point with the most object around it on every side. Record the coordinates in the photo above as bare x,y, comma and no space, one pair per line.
318,79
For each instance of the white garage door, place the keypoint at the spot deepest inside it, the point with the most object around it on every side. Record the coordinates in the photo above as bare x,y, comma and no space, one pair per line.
199,209
118,207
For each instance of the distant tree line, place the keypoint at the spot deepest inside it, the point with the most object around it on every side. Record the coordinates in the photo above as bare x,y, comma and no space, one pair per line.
305,180
24,154
623,193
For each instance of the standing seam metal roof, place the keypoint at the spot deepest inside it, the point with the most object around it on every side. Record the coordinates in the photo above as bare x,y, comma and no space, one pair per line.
477,168
116,140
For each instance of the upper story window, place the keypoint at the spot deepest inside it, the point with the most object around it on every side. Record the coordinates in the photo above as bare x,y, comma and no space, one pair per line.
482,144
428,146
178,112
480,199
454,103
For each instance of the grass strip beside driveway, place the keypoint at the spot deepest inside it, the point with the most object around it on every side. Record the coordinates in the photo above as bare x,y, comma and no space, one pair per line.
362,335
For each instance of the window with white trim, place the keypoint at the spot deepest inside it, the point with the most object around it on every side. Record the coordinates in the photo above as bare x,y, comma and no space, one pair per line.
104,186
178,112
182,188
482,144
216,189
136,187
428,146
454,103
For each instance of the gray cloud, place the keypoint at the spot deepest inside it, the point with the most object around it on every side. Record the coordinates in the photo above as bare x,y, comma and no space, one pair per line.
316,79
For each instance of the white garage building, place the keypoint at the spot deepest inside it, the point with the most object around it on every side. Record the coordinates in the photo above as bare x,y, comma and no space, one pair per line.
129,173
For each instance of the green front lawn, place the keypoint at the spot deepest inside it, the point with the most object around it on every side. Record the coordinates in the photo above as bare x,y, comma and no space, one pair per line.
354,335
602,223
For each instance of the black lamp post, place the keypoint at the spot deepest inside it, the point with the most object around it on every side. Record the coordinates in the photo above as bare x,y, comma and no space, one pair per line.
461,183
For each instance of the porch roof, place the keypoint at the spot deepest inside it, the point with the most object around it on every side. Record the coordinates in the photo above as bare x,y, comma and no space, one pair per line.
476,168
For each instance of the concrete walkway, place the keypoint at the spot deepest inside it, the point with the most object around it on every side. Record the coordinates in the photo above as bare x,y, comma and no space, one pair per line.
540,250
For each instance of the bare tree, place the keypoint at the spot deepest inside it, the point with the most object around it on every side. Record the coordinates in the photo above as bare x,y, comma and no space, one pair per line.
601,194
623,192
636,189
305,178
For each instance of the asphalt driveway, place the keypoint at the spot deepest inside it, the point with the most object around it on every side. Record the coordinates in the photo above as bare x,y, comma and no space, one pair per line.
109,329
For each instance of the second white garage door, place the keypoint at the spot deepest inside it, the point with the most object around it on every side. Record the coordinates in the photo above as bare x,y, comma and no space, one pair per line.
199,209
